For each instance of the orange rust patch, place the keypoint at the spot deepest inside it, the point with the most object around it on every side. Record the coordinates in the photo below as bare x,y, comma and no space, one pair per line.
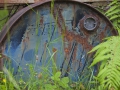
41,20
54,49
70,36
66,50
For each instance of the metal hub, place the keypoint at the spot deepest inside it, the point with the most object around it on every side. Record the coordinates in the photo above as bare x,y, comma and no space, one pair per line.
90,24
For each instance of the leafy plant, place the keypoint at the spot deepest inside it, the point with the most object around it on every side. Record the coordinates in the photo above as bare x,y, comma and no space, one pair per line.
3,19
114,14
58,83
107,54
7,81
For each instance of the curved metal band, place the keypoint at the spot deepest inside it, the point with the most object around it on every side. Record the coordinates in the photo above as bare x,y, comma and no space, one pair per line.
13,20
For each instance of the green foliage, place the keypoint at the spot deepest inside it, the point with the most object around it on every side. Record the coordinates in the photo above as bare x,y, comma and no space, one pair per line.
114,14
42,82
3,14
107,54
58,83
7,81
78,86
11,79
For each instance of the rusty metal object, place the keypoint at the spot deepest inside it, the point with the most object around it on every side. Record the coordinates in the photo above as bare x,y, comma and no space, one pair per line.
89,23
64,33
34,1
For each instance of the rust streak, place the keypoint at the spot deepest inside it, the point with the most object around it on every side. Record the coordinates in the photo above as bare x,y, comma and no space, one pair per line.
45,49
60,20
70,36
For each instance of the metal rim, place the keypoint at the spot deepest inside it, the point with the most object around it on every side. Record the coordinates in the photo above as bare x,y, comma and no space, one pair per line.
15,17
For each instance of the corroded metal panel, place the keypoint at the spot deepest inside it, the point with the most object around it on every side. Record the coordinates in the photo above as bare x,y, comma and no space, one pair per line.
62,35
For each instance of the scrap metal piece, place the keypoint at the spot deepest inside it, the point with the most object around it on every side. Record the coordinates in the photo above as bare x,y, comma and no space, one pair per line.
63,36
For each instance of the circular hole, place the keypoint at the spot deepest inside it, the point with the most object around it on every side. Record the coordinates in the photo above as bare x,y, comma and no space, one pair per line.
90,24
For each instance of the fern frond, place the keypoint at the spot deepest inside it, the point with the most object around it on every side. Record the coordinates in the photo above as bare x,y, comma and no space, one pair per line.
97,47
108,54
114,2
114,14
111,9
116,11
114,17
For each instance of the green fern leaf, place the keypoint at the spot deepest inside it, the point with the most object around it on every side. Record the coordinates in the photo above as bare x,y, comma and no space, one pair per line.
97,47
98,59
113,12
101,72
109,71
119,19
115,23
111,9
114,2
114,17
108,53
102,47
102,52
103,64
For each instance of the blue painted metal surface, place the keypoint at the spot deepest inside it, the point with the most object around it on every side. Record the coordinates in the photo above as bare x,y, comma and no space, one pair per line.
42,36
